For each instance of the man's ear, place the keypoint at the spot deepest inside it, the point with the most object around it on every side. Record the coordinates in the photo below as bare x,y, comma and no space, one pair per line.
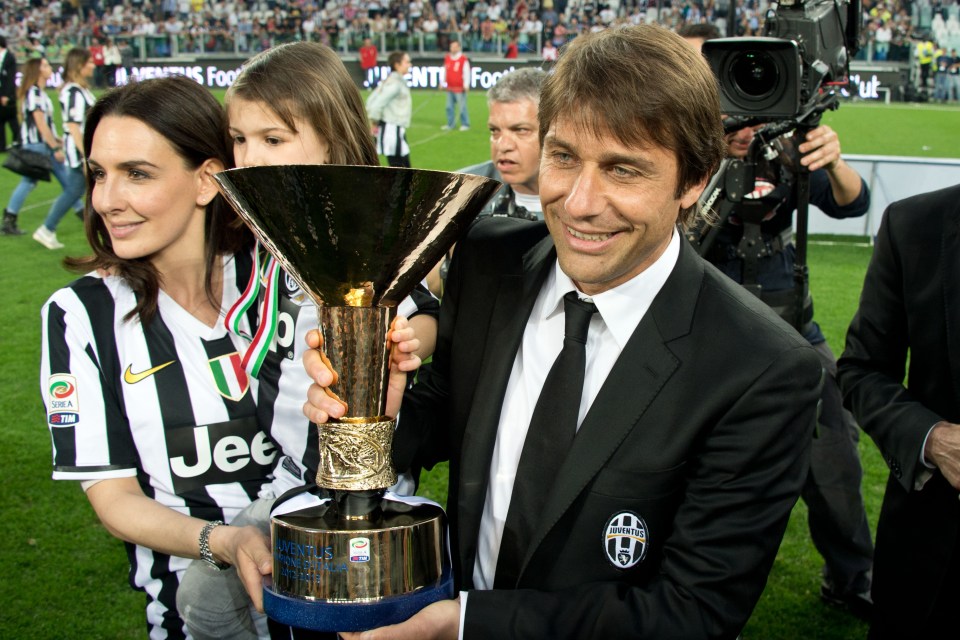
207,188
690,196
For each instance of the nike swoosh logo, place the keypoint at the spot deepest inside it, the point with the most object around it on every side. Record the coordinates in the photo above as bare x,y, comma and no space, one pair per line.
133,378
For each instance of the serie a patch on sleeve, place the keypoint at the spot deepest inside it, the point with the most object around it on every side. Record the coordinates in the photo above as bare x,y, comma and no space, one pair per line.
63,405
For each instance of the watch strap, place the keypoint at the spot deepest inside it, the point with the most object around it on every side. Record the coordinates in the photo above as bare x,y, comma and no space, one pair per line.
205,554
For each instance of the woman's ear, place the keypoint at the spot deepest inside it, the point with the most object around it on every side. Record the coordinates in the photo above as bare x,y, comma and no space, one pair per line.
207,187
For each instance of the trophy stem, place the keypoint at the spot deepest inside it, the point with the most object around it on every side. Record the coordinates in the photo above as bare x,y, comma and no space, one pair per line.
355,450
357,506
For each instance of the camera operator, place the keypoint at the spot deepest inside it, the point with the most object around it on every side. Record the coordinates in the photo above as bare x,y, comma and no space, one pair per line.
754,246
837,520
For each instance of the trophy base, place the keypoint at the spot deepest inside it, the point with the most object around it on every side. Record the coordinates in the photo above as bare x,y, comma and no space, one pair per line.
356,616
334,571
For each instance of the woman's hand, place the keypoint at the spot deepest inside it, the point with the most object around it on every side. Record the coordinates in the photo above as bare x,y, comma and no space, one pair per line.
248,549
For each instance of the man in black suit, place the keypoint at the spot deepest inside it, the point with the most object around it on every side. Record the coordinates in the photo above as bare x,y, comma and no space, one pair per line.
911,304
663,517
8,96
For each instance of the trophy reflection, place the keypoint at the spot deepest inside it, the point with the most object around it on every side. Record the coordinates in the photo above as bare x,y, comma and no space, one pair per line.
357,240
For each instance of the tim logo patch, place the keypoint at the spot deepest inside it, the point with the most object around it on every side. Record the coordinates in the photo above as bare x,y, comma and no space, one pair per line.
63,405
359,549
625,540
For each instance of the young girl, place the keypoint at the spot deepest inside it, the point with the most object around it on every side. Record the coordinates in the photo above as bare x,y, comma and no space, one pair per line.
294,104
75,100
37,134
137,370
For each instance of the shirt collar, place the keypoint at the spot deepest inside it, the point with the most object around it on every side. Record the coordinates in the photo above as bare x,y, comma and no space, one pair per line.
622,307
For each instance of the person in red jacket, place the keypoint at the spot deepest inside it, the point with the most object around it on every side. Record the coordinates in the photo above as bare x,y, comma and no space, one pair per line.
513,47
368,56
456,81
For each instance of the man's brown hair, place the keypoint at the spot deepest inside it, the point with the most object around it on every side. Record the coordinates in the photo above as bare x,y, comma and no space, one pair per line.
643,85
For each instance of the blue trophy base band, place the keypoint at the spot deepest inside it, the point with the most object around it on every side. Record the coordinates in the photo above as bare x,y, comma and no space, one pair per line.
346,616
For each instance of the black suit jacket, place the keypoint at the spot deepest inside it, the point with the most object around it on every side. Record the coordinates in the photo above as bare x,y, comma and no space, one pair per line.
712,462
8,77
910,301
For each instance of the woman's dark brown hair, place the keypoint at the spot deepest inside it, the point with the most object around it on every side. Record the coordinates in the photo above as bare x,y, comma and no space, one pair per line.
195,125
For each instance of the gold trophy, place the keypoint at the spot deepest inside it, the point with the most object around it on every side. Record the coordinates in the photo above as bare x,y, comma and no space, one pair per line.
357,240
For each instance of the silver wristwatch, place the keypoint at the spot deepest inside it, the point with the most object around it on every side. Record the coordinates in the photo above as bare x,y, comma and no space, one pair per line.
205,554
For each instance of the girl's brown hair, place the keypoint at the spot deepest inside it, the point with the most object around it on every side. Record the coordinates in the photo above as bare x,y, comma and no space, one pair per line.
307,80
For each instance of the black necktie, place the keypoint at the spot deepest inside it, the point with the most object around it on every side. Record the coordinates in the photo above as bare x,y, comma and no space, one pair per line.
552,428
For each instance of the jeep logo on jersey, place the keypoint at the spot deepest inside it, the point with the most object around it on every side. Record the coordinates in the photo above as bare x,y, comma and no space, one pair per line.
229,376
625,539
63,404
219,453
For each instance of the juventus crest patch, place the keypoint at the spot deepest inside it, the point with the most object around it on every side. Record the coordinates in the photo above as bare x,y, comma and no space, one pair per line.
625,539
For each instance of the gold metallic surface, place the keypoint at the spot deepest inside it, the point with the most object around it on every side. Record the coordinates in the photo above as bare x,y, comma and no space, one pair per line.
314,558
336,229
356,456
355,450
355,341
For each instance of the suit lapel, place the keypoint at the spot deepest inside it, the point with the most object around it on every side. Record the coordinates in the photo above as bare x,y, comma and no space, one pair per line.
512,304
643,368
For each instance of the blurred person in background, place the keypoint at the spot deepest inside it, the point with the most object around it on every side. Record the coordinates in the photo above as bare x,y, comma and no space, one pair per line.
8,96
38,134
455,80
75,100
390,108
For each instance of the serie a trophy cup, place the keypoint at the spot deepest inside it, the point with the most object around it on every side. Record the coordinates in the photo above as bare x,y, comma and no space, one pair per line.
357,240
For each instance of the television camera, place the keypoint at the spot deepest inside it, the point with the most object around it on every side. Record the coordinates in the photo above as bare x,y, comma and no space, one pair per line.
805,47
784,81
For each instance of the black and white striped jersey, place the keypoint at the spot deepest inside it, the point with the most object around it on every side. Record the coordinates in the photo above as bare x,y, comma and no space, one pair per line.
74,103
284,382
36,100
167,403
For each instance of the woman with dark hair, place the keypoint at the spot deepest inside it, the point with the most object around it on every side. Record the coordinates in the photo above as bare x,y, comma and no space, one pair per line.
37,133
139,376
75,100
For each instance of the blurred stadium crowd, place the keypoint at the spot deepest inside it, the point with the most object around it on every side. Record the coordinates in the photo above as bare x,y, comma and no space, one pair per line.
166,28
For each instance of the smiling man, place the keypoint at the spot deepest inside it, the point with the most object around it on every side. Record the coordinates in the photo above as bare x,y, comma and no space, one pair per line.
645,496
514,144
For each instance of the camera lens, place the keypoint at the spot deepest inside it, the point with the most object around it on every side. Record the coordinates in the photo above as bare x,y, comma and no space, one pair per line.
755,74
